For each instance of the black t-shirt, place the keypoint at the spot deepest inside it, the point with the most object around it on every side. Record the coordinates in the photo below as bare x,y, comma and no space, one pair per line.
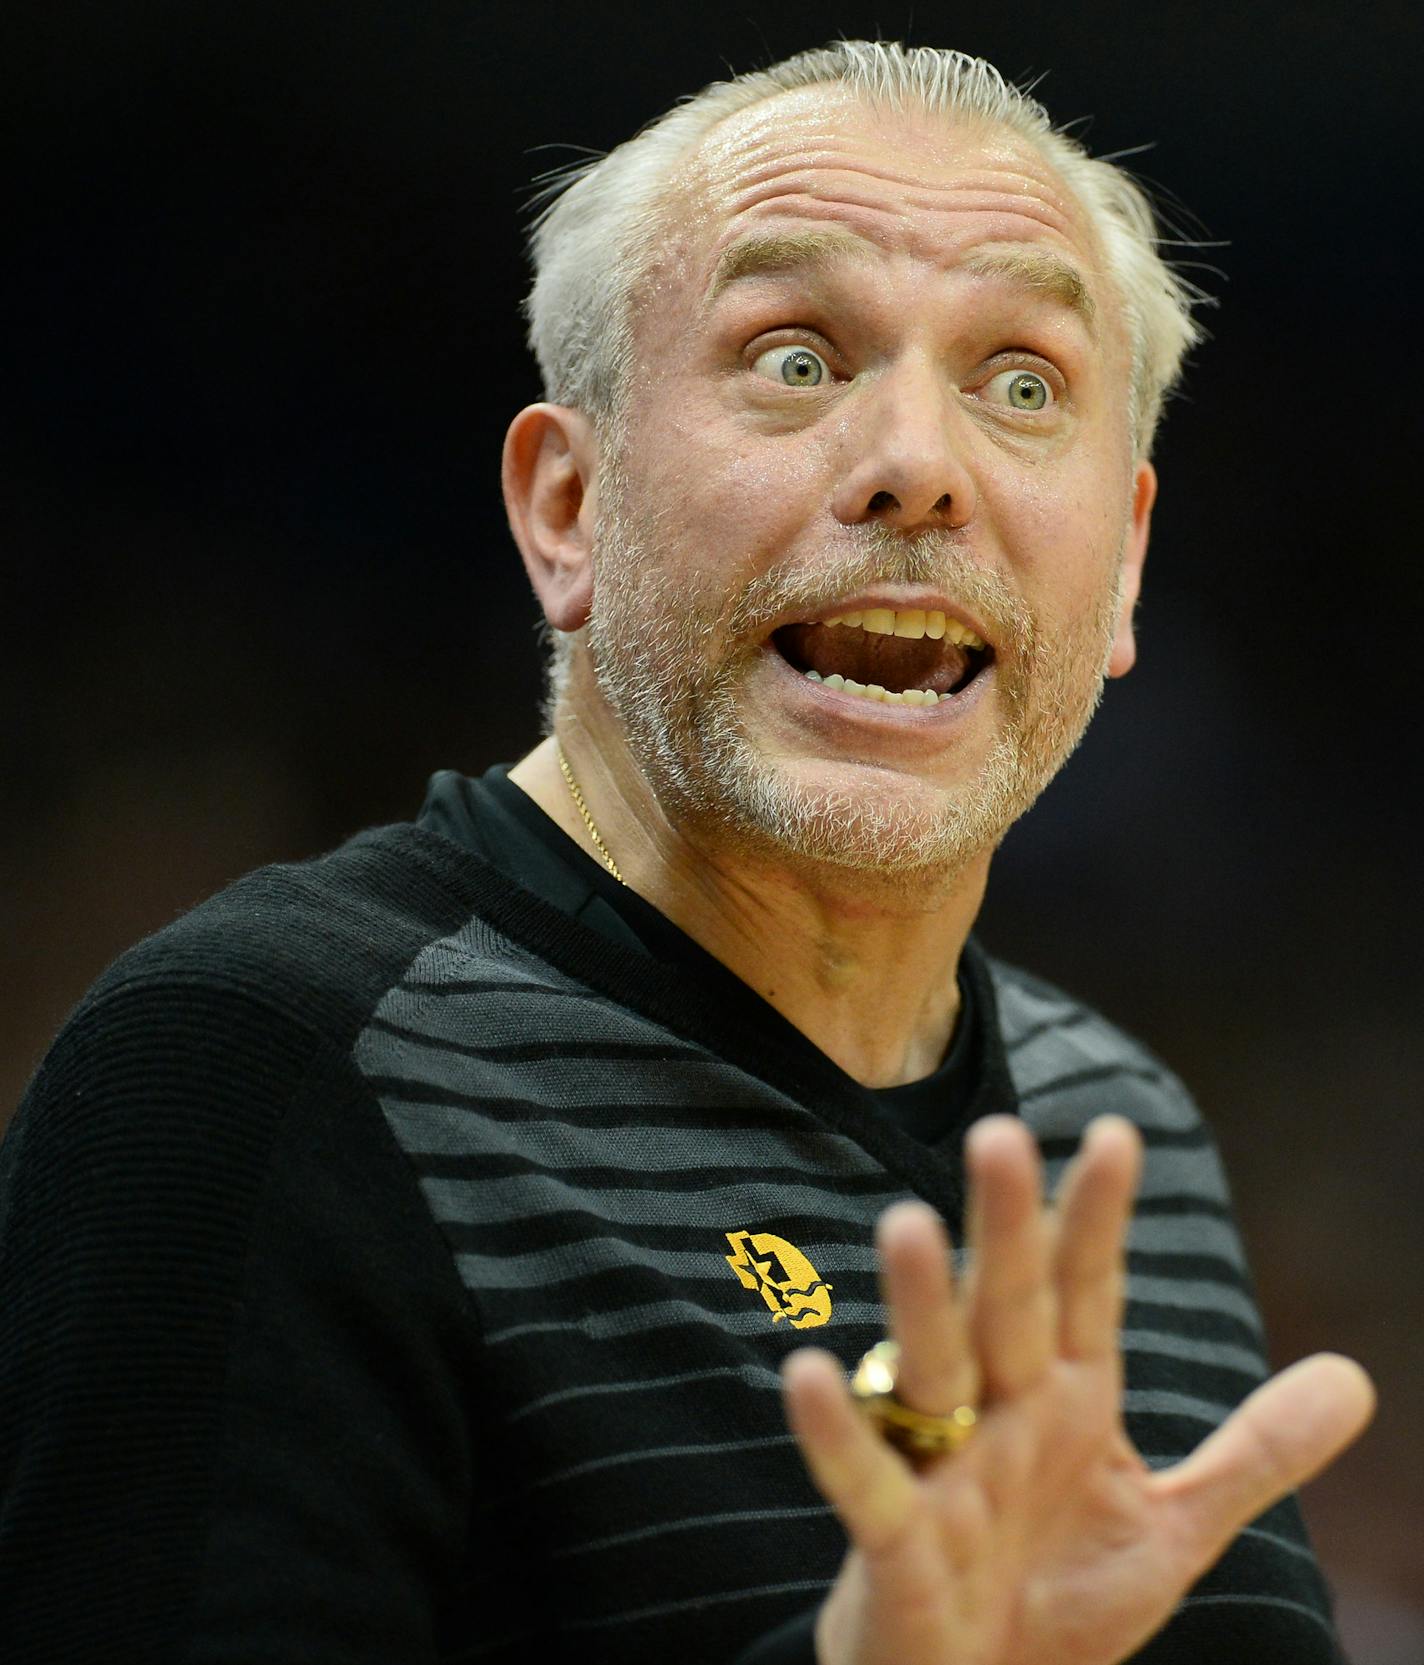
495,819
242,1398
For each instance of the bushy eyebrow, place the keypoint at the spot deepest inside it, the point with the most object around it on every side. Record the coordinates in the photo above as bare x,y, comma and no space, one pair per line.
782,251
1040,270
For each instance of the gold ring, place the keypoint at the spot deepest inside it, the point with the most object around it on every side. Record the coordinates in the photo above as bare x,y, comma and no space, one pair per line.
914,1434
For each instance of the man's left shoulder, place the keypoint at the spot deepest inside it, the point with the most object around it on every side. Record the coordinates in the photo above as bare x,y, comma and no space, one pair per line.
1069,1063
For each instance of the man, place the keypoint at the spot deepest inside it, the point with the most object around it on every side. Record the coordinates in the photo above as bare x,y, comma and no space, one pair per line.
401,1252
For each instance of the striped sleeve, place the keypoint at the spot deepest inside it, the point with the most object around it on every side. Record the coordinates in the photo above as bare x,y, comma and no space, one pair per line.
1192,1338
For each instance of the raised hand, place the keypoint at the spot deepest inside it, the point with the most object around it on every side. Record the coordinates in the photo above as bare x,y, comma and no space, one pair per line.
1046,1540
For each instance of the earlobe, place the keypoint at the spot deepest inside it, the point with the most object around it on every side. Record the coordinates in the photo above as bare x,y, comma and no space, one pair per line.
1134,553
549,474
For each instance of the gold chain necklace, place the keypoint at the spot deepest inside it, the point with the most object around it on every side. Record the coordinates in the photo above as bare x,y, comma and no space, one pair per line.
599,845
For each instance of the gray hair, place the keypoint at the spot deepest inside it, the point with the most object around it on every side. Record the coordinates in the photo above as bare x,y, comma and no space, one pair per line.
595,235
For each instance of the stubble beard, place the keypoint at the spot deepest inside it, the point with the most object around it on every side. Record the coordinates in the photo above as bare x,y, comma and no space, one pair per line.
682,709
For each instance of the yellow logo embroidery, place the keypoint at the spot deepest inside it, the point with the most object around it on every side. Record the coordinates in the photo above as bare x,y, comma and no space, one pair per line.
788,1282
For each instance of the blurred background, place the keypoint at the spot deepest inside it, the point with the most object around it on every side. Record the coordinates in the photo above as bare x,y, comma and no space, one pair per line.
262,271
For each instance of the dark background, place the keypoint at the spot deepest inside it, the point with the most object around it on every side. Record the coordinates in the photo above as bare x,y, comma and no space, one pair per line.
261,279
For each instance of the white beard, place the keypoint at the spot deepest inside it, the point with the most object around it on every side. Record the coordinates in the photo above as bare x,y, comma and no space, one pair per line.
654,651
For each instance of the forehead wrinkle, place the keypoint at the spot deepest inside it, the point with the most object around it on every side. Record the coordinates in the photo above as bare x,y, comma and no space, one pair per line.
855,187
978,197
1013,169
933,220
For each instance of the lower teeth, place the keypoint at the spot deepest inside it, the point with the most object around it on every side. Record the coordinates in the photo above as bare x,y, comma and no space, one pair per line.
845,685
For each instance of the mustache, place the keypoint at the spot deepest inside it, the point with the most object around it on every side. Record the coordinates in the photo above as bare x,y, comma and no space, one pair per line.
874,555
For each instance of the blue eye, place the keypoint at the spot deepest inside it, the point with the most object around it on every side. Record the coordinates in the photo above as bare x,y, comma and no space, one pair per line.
1020,390
796,366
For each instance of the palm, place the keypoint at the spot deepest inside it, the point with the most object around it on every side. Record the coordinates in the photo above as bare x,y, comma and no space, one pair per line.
1047,1540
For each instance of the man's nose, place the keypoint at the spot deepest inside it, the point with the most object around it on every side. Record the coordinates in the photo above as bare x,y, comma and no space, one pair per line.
907,444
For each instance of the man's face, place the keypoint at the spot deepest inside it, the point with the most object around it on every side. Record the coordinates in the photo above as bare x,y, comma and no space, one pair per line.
880,374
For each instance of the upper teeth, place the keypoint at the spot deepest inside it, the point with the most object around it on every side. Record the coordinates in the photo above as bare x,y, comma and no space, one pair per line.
911,621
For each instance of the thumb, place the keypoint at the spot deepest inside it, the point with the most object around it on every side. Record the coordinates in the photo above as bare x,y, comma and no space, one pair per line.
1287,1431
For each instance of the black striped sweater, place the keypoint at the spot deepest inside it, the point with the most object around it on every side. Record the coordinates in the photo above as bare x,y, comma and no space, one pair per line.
394,1270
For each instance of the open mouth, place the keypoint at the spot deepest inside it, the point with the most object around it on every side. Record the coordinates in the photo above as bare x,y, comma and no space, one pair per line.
905,657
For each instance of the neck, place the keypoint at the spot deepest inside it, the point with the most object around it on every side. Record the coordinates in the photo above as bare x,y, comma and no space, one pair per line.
865,967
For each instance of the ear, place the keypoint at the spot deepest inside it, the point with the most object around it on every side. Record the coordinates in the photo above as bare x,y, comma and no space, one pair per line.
549,471
1144,494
